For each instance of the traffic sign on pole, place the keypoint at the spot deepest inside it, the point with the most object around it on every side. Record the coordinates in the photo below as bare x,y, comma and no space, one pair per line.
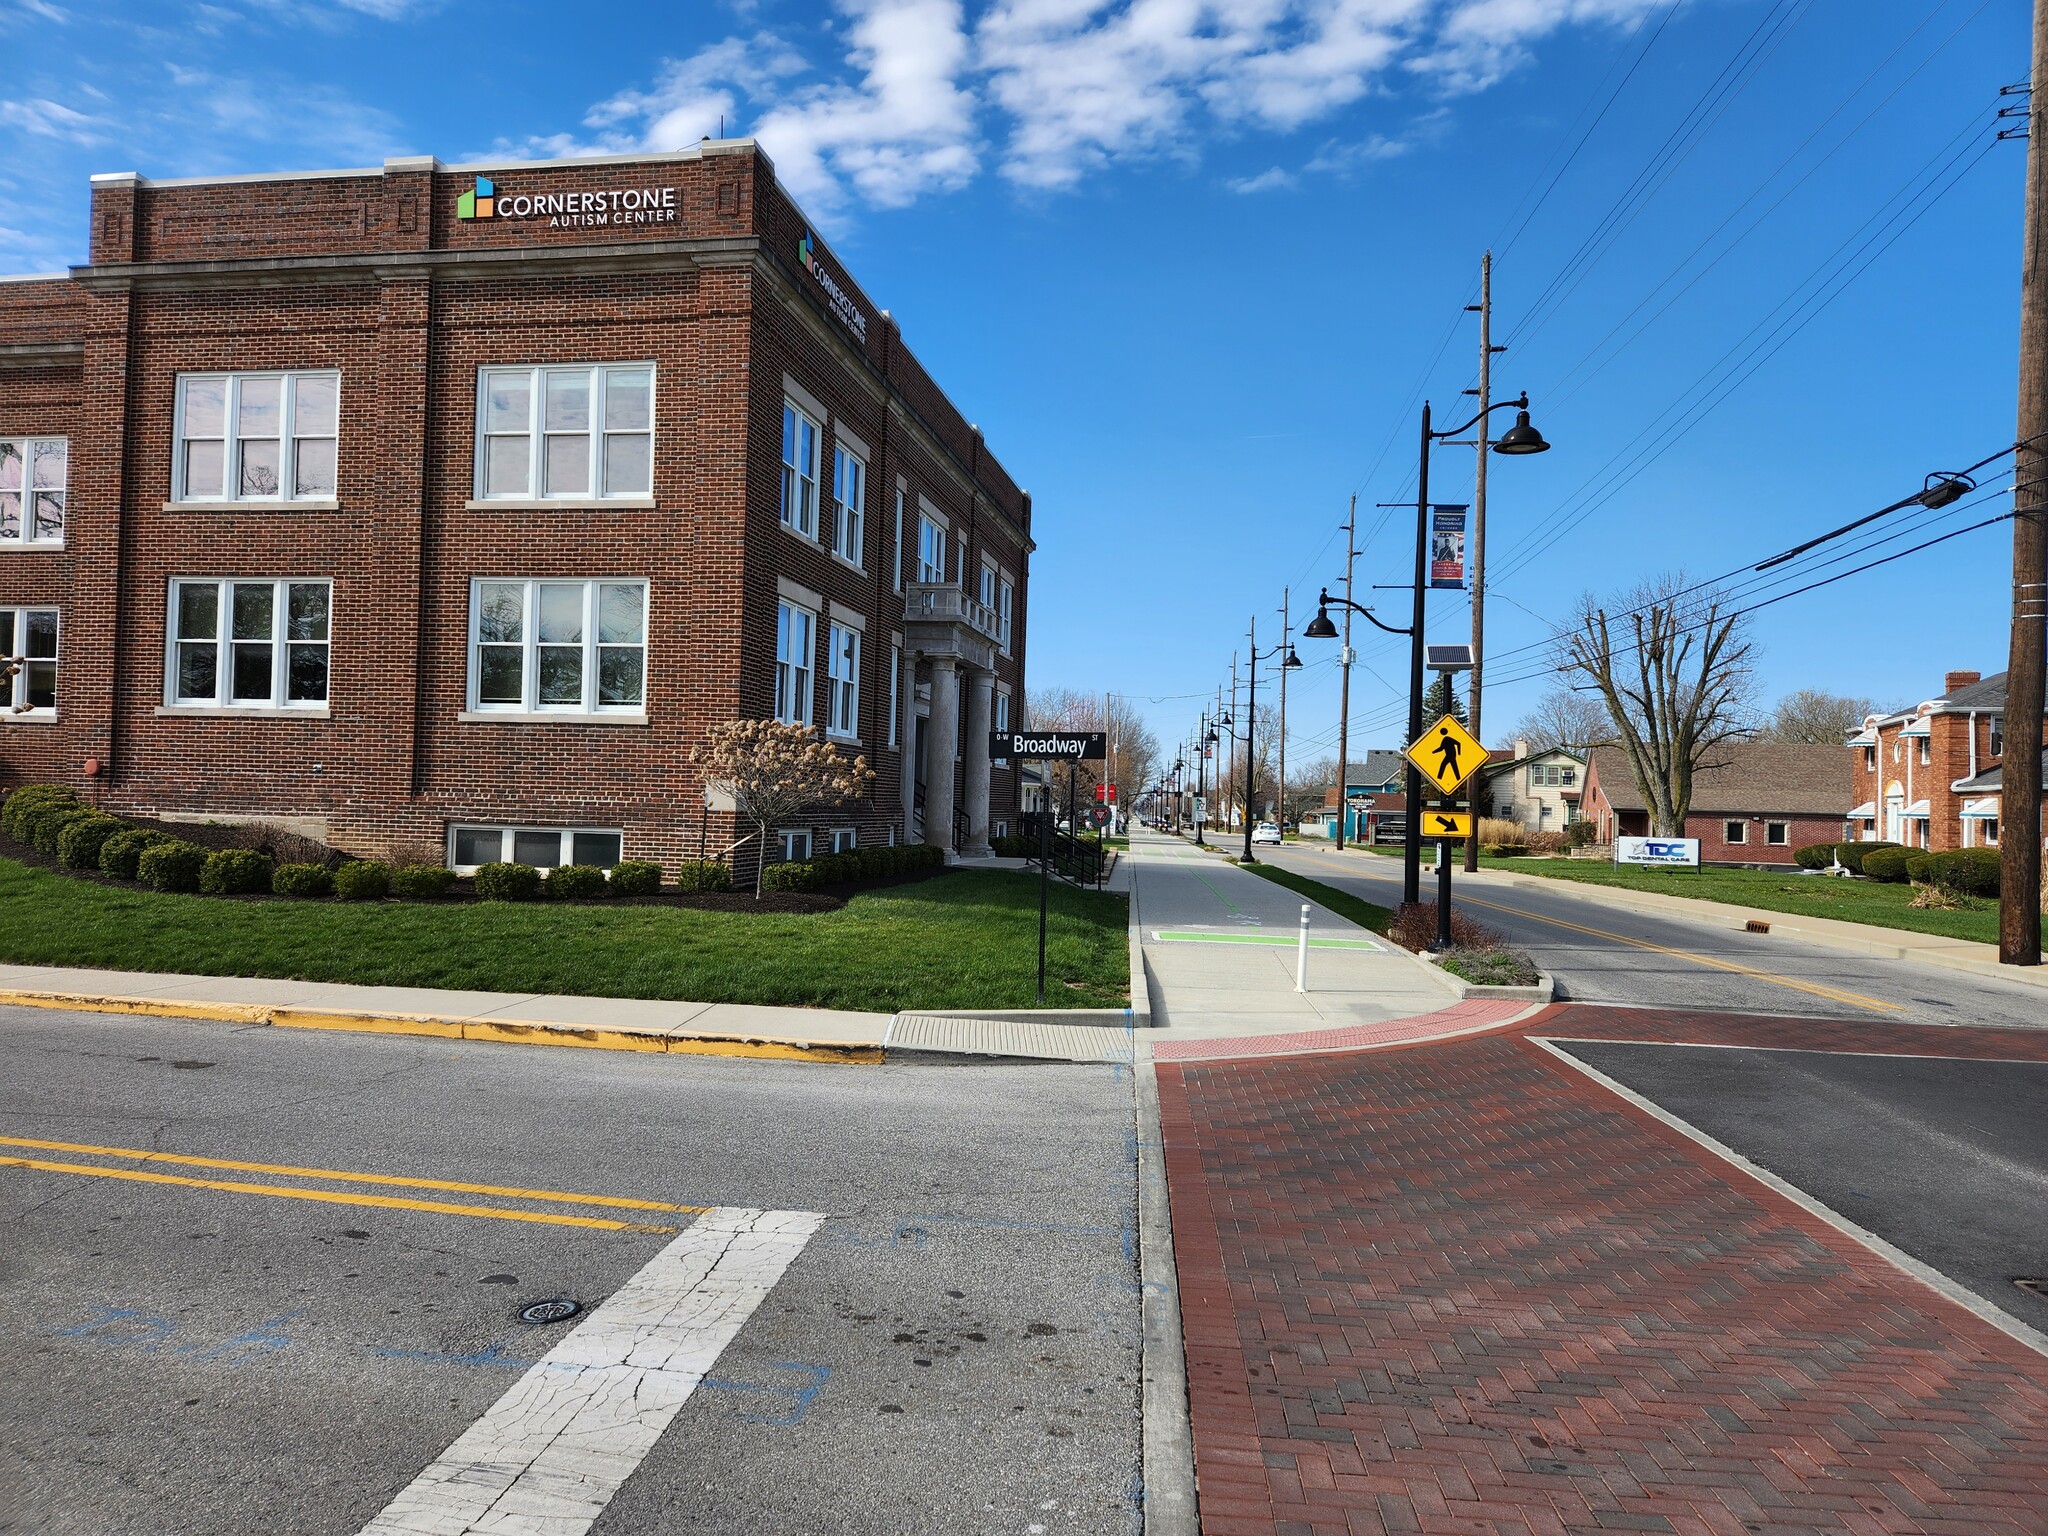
1447,754
1448,826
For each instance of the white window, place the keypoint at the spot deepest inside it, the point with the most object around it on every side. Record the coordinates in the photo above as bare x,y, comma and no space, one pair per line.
1002,718
557,647
1870,755
844,839
1776,833
842,698
1926,751
257,436
795,645
32,490
1998,735
849,507
237,644
1734,831
792,847
28,644
570,434
543,847
799,471
1006,596
895,689
931,550
988,587
896,547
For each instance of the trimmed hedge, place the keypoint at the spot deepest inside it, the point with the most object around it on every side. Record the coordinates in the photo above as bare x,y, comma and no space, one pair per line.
1814,856
636,877
1887,864
235,872
1507,850
793,876
421,882
859,864
700,875
307,882
79,844
1920,867
1968,871
1852,855
49,824
576,882
362,880
119,853
1015,846
507,882
31,797
171,864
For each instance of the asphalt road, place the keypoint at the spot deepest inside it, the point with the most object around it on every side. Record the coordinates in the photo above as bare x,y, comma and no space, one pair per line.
1946,1159
955,1349
1604,953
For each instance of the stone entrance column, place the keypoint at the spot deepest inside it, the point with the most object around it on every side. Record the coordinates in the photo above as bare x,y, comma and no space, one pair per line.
906,741
981,714
942,743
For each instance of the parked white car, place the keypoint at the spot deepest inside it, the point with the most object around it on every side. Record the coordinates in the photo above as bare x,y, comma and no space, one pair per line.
1266,832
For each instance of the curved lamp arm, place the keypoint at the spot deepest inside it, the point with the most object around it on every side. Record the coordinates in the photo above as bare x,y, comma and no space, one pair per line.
1325,600
1519,403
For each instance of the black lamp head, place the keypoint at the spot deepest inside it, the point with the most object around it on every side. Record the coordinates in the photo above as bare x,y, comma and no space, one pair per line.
1319,627
1291,660
1521,437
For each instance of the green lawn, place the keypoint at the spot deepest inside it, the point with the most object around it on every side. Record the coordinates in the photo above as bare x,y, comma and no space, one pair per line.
965,940
1344,904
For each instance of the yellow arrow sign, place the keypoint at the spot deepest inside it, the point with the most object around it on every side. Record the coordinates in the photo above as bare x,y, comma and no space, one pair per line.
1447,754
1450,826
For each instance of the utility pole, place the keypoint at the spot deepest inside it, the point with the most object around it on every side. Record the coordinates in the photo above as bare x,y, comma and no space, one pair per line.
2019,858
1280,772
1344,706
1235,722
1486,351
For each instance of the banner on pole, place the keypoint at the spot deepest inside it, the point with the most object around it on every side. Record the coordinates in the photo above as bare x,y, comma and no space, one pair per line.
1447,547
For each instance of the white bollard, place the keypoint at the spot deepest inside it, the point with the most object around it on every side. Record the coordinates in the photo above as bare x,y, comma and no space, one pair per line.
1301,954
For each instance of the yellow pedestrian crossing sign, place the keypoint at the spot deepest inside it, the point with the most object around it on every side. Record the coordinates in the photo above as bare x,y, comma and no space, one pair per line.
1448,826
1447,754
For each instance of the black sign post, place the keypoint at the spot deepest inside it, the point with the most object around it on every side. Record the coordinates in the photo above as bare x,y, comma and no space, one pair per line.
1058,746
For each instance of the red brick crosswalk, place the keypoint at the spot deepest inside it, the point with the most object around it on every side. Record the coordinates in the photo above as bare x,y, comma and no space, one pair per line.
1460,1288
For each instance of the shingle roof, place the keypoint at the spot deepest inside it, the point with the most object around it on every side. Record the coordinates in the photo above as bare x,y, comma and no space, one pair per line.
1380,767
1798,778
1991,779
1988,694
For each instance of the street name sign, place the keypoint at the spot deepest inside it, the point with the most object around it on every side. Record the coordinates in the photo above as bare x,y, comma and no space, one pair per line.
1450,826
1447,754
1066,746
1677,852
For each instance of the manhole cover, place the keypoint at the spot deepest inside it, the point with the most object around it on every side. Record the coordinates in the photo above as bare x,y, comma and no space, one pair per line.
2033,1287
556,1309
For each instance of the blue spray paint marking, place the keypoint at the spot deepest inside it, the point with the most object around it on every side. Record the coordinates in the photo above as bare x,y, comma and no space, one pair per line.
906,1236
800,1398
126,1328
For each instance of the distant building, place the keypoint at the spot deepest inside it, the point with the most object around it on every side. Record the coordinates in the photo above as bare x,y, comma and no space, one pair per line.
1540,789
1929,776
1382,780
1754,805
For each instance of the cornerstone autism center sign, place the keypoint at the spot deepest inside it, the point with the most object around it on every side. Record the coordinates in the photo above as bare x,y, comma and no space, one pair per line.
837,299
617,206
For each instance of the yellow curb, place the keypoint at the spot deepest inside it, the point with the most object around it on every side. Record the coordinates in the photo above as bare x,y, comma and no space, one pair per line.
498,1031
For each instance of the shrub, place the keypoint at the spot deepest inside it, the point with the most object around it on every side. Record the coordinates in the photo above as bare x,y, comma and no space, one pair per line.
235,872
28,798
307,882
171,864
1508,850
1548,840
1967,871
1013,847
703,875
421,882
362,880
1852,855
79,844
636,877
1887,864
1582,834
1497,829
507,882
1414,927
577,882
1814,856
1493,967
1920,868
794,876
836,868
119,853
49,823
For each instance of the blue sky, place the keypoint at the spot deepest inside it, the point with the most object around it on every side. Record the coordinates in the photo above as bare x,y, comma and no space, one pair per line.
1192,264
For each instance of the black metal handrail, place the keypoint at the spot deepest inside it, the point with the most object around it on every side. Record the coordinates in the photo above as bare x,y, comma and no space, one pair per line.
1071,858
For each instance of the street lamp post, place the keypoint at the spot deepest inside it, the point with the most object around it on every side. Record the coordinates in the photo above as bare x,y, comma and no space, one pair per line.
1251,725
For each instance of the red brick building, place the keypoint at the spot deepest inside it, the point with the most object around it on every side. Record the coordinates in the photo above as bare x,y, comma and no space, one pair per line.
1755,806
1929,776
444,508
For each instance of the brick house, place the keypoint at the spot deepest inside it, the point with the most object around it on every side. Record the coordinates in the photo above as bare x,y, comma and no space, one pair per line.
1759,803
1928,777
445,508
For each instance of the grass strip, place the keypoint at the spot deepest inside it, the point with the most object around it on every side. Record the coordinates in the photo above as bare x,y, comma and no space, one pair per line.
968,939
1343,903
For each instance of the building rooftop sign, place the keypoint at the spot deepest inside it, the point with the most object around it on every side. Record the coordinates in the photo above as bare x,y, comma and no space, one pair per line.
837,299
570,210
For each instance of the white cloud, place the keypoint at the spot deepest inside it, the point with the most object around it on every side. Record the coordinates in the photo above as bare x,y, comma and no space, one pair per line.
1275,179
1482,40
48,119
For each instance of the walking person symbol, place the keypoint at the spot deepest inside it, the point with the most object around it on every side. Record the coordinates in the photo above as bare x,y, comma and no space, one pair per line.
1448,750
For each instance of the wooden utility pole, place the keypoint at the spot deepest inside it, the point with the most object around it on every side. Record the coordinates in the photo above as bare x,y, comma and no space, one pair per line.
2019,860
1344,706
1485,307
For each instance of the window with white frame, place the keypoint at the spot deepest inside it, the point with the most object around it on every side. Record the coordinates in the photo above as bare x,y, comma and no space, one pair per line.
795,646
32,474
1006,598
1002,719
799,470
845,839
28,641
896,547
849,506
557,647
257,436
792,847
988,586
583,433
242,644
931,550
1734,831
1777,833
1870,759
1926,751
470,847
895,689
1998,735
842,693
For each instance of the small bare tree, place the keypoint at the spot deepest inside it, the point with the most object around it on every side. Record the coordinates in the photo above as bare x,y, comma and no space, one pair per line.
1673,665
1564,717
774,772
1809,715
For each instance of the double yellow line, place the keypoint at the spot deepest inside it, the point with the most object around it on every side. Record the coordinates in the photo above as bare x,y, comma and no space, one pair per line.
339,1196
1832,994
